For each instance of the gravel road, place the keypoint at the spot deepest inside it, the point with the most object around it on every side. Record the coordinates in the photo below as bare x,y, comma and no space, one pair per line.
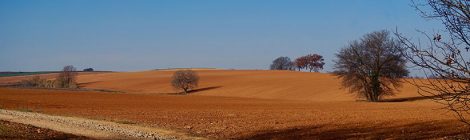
91,128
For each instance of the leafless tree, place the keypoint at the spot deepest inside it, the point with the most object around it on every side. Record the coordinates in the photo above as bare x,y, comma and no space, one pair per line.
372,67
282,63
67,77
444,59
185,80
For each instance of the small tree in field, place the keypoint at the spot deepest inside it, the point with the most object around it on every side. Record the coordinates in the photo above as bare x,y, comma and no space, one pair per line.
185,80
67,77
372,66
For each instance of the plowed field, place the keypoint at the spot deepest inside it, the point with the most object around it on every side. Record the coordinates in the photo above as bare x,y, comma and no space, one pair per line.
242,105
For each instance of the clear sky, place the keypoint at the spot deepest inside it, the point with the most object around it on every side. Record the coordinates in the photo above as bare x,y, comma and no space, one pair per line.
37,35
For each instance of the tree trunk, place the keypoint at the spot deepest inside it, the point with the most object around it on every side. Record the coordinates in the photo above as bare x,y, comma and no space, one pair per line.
375,86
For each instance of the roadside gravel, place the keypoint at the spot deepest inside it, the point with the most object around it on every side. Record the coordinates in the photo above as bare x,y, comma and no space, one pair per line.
91,128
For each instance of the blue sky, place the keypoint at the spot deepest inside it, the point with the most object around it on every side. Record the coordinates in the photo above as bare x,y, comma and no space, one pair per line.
130,35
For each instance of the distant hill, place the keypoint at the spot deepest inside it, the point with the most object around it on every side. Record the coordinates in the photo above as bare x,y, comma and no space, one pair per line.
10,74
264,84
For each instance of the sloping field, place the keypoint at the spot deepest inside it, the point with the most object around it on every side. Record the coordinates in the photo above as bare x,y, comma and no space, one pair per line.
242,104
240,118
7,80
287,85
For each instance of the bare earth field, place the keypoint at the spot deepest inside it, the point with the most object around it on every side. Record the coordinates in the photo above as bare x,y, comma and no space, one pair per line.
242,105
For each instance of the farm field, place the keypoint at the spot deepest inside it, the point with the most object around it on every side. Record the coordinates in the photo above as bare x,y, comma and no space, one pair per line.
241,104
241,70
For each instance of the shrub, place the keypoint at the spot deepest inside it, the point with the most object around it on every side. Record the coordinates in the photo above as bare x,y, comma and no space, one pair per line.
37,82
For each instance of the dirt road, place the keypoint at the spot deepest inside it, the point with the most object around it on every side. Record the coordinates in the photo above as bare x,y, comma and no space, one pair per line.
90,128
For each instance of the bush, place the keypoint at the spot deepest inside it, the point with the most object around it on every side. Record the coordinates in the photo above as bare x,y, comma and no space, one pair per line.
185,80
37,82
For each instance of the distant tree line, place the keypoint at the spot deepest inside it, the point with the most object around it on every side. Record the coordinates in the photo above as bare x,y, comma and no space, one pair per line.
88,69
310,62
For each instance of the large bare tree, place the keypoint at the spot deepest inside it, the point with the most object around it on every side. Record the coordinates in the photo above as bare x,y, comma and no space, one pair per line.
444,58
372,67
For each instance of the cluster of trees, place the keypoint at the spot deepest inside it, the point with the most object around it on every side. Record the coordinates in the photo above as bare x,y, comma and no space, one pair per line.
311,62
65,79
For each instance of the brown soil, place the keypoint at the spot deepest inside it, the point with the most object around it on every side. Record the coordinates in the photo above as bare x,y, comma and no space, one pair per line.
243,104
230,117
285,85
9,130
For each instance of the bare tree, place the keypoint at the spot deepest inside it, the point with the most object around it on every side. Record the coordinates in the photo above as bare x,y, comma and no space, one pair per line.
445,61
67,77
282,63
185,80
372,66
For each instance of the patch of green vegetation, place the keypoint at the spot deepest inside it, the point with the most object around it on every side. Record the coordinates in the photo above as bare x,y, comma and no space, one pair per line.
9,74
